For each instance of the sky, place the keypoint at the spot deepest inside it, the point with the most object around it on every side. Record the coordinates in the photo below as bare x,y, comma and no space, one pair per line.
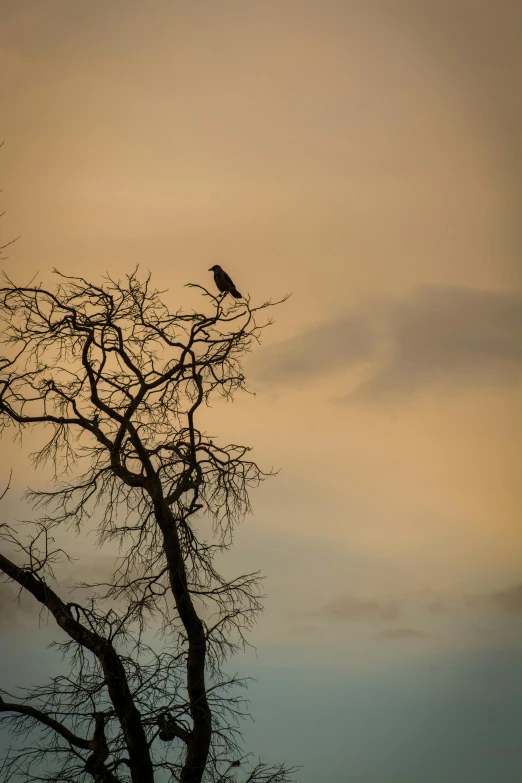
364,157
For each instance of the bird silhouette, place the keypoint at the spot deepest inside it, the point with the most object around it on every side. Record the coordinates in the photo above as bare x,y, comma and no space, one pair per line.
223,282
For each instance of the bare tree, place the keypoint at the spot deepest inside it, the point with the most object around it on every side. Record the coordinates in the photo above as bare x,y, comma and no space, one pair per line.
117,381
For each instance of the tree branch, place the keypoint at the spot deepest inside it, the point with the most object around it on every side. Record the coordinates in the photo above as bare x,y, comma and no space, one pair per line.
115,677
46,720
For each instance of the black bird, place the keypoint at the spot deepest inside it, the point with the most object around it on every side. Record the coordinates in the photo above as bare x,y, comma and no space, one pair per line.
223,281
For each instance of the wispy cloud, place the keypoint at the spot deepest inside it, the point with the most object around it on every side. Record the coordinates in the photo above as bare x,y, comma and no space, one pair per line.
507,601
461,336
402,634
326,348
436,334
348,607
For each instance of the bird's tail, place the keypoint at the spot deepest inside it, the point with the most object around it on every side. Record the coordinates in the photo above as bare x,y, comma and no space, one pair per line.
235,293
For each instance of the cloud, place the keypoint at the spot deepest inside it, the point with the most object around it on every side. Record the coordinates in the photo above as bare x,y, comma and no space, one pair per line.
348,607
441,606
402,633
462,335
326,348
507,601
455,335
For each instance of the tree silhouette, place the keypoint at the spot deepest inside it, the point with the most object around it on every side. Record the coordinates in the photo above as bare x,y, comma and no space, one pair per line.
117,381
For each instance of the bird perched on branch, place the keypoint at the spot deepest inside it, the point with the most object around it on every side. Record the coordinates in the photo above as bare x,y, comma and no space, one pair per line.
223,281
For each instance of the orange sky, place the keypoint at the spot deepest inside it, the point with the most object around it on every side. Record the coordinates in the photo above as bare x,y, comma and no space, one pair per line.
346,154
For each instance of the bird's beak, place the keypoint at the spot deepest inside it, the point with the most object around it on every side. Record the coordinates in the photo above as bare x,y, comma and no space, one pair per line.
211,268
